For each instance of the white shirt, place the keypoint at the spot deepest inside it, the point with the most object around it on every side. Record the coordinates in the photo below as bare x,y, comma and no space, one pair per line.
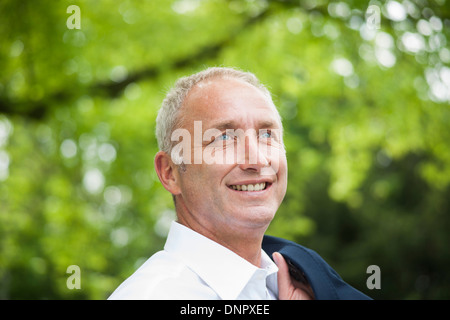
192,266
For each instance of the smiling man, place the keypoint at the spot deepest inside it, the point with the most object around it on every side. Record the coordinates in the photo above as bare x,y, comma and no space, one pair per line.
228,177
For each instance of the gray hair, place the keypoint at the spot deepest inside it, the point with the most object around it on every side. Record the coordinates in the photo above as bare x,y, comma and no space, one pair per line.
169,113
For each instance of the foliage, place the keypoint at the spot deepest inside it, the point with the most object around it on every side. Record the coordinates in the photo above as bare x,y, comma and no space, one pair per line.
366,116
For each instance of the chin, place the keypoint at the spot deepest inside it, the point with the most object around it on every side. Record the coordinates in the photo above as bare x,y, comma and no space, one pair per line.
256,218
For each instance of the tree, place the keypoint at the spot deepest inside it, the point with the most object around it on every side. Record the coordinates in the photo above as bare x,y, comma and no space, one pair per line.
365,110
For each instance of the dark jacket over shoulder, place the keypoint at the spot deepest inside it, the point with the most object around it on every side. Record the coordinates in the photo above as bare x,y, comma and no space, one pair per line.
325,282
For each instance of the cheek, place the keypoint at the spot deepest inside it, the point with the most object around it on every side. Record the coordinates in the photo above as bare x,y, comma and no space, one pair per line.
225,154
281,169
284,173
278,161
198,180
283,166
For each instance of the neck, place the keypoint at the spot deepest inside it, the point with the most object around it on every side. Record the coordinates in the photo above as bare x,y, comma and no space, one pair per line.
246,242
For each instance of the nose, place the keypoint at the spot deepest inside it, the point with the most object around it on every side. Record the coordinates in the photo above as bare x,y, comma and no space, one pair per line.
251,155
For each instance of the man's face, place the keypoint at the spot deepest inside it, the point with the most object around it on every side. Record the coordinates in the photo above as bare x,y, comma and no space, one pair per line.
243,132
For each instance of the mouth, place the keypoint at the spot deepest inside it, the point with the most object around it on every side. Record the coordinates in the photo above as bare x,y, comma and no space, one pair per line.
251,187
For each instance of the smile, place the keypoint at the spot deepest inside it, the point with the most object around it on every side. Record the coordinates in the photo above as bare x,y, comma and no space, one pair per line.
249,187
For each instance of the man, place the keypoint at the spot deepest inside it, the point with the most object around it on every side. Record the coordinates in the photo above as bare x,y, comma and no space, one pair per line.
228,176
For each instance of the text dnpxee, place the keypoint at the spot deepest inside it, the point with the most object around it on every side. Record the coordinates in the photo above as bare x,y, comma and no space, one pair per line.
236,309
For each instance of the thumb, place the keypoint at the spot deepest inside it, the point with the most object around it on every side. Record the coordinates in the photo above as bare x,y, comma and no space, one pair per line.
284,279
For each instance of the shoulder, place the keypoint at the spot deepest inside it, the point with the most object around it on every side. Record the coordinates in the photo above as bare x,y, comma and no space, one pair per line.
325,281
160,277
273,244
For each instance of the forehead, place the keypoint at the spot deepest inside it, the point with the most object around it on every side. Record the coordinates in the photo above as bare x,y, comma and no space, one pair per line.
229,99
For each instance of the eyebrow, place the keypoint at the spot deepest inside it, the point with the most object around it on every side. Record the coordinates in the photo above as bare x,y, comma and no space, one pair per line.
264,124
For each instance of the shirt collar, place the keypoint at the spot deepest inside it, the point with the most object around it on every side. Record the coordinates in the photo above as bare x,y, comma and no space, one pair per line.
222,269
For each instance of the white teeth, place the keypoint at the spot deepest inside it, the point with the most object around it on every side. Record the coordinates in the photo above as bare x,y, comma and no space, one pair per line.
249,187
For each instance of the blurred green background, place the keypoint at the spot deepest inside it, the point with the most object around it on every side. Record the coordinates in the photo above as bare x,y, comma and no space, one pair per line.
366,116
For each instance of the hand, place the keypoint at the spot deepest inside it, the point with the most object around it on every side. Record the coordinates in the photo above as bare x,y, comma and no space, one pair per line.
288,288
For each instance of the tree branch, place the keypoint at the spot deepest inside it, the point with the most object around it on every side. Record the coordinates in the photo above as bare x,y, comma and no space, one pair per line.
37,110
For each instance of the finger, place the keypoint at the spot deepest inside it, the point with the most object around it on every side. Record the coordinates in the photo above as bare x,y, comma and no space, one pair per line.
284,279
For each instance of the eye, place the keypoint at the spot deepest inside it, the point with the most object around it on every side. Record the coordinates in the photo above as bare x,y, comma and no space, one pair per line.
266,134
224,137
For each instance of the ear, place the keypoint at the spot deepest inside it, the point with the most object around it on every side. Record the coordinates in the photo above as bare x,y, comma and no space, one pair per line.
167,172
